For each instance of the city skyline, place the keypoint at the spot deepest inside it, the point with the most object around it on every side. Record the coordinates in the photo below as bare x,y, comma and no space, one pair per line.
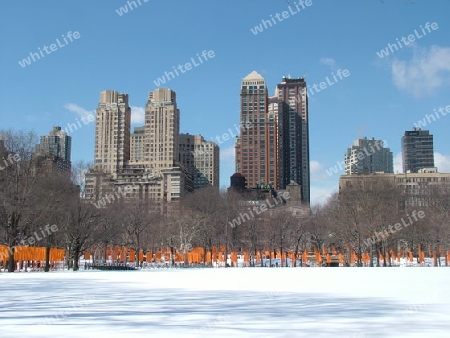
380,96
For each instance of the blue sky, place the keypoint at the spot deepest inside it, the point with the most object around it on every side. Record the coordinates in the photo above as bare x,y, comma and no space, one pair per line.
381,98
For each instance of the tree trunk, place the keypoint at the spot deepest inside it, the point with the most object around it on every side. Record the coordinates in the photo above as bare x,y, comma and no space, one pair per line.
371,256
378,255
48,247
11,265
226,253
172,255
185,253
359,251
204,254
76,256
47,257
106,251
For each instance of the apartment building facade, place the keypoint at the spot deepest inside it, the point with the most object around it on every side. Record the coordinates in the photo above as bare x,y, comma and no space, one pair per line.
416,188
201,159
367,156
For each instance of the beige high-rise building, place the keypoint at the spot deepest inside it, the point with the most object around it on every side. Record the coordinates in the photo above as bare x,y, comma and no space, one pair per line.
142,165
162,127
112,132
137,140
201,159
161,146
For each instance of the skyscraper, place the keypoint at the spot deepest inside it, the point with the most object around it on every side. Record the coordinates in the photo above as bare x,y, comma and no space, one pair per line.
201,159
57,143
251,160
145,164
272,145
161,145
112,133
417,150
53,151
293,135
367,157
162,127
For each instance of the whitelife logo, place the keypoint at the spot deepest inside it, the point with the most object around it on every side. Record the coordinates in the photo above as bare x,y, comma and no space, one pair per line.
129,5
411,38
280,17
49,49
432,118
324,85
378,236
11,159
187,66
361,155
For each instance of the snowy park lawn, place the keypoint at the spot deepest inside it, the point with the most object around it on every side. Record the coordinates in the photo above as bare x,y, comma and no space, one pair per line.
234,302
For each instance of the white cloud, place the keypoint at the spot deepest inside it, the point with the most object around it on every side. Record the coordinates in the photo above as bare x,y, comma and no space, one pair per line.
328,61
137,115
428,69
398,163
442,162
83,113
317,171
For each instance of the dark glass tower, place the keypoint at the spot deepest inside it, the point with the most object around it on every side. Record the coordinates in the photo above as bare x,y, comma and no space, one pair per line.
417,150
293,135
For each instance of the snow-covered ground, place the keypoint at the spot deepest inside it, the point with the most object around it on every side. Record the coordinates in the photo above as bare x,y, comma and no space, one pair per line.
235,302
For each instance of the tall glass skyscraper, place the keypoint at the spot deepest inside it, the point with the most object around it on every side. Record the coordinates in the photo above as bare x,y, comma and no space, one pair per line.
293,135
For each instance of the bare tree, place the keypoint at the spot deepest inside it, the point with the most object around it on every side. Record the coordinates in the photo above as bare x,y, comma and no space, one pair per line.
137,216
184,228
206,202
19,188
364,209
81,223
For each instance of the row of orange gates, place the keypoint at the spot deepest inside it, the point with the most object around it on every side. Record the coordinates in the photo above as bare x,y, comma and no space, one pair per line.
31,253
198,255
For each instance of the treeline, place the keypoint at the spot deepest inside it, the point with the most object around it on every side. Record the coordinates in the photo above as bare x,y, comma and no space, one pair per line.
373,221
